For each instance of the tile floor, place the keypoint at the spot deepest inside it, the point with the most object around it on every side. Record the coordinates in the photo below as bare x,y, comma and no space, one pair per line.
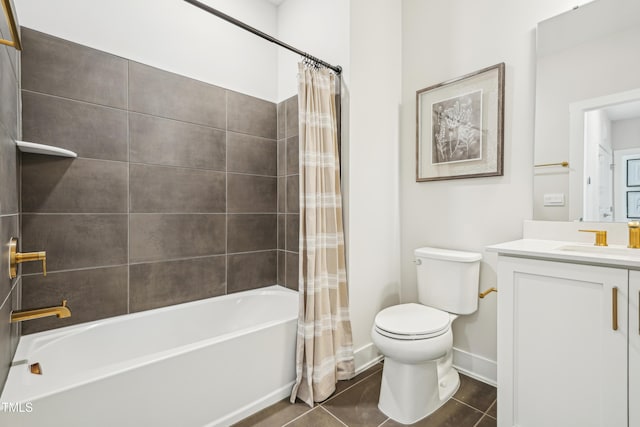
355,404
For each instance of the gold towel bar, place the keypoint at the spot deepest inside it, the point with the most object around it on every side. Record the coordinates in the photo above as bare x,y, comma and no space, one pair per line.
563,164
13,27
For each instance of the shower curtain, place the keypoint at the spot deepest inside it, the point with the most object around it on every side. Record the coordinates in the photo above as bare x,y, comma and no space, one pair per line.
324,344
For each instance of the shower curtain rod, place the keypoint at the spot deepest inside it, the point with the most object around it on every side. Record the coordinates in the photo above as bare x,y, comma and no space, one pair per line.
234,21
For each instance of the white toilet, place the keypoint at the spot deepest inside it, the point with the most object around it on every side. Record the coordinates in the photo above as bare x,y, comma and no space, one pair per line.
416,339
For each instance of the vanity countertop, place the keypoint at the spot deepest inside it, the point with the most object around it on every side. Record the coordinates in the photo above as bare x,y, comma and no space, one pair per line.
583,253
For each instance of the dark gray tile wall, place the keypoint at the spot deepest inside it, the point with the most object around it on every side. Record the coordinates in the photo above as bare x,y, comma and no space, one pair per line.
288,197
10,130
174,196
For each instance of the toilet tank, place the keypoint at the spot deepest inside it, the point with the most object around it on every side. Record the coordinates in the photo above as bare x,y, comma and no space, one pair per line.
448,279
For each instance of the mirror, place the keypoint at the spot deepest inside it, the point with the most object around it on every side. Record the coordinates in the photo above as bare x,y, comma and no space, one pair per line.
587,121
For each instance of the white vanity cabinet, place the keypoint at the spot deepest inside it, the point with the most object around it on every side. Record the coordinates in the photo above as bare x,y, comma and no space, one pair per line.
566,354
634,348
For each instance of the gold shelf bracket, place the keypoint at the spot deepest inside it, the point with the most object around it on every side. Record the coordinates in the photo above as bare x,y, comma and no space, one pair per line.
13,26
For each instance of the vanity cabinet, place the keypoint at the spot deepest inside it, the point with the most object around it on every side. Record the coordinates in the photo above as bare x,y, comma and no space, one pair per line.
568,344
634,348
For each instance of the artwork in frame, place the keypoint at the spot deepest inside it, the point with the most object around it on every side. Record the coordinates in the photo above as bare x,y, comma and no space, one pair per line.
460,127
633,173
633,204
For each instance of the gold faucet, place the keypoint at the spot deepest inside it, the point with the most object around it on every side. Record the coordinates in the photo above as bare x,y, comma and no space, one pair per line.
60,311
16,258
634,234
601,237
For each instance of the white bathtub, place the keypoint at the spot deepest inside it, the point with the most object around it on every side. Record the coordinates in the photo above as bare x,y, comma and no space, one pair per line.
205,363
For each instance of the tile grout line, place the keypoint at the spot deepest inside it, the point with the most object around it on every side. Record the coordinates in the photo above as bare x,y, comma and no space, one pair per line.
466,404
333,415
384,422
300,416
351,386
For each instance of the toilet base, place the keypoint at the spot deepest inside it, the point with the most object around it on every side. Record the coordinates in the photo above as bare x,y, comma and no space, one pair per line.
410,392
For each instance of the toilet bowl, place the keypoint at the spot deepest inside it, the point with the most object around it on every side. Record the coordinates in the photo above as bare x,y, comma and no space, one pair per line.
416,339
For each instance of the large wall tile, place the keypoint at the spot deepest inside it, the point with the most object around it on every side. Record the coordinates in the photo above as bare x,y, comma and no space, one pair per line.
282,194
250,154
5,33
8,95
249,193
282,229
251,232
9,179
293,231
281,267
59,67
159,141
292,155
91,295
291,114
254,116
8,229
291,270
164,94
157,237
92,131
54,184
251,270
282,157
293,196
160,284
176,190
5,338
280,111
75,241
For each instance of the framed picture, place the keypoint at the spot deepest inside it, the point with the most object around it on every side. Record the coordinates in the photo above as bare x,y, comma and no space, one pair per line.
633,204
460,127
633,173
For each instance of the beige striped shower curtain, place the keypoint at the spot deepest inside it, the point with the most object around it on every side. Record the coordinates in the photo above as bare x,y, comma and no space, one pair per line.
324,347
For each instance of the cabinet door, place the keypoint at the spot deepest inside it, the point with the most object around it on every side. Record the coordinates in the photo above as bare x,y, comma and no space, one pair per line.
560,361
634,348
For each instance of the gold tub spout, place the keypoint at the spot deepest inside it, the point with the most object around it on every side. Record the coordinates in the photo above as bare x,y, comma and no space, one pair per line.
58,311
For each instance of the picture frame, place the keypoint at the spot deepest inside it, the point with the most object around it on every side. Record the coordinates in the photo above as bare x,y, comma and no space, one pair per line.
460,127
633,204
633,172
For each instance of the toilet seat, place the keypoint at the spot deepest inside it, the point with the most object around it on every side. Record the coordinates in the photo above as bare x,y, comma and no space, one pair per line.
412,322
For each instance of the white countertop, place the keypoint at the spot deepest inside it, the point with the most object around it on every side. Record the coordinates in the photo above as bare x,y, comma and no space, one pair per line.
583,253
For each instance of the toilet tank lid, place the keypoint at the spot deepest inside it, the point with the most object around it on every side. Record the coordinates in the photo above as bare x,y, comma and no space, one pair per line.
447,254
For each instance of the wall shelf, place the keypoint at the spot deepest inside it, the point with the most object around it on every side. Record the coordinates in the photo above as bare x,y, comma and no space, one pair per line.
32,147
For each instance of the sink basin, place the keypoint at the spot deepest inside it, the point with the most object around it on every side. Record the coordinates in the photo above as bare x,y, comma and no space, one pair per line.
601,250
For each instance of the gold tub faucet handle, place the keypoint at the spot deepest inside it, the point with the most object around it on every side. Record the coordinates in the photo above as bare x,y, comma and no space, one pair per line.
16,258
601,236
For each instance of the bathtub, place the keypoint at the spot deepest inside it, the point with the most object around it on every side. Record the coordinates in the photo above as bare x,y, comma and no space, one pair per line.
205,363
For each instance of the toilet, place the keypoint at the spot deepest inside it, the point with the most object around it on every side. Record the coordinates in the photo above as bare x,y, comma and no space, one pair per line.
416,339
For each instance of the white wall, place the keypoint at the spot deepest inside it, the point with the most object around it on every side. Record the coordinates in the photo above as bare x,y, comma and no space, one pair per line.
172,35
440,41
373,164
625,133
319,28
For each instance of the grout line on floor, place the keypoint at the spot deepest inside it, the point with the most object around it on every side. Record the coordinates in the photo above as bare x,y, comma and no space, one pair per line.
352,385
472,407
333,415
491,406
299,416
384,422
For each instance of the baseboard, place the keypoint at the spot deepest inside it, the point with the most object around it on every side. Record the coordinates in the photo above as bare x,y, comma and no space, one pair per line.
365,357
475,366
